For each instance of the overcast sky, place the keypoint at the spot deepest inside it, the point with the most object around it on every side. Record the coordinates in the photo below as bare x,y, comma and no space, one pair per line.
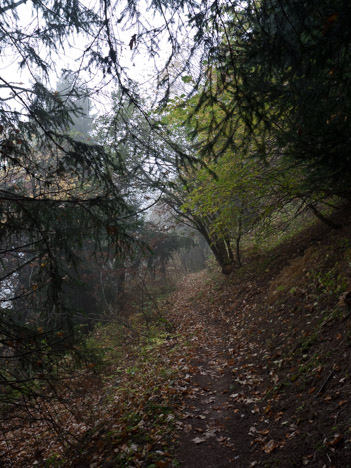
136,62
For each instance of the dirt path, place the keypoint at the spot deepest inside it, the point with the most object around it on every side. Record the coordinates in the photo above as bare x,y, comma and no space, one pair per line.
217,416
267,382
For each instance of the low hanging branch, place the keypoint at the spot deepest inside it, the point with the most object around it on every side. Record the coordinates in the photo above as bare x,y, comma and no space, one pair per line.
322,218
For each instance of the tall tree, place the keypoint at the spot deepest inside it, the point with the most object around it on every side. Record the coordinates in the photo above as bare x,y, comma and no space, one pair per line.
156,160
76,94
58,194
286,67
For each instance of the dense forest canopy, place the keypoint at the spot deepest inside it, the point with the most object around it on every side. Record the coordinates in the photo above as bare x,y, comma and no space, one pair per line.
239,122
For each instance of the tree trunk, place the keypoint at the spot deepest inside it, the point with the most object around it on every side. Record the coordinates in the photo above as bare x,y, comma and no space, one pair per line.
322,218
221,249
121,281
238,239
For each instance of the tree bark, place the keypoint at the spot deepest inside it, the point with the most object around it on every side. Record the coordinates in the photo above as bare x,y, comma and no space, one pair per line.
322,218
238,239
220,248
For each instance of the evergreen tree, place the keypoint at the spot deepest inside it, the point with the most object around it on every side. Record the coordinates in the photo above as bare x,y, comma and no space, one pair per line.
286,66
58,194
76,95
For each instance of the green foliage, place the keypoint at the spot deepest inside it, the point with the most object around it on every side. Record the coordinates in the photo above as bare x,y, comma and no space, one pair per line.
284,68
234,194
330,282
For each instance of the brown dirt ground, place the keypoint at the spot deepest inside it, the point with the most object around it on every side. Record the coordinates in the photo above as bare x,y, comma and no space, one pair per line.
268,383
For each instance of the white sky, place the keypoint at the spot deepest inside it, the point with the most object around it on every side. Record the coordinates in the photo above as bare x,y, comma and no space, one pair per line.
136,62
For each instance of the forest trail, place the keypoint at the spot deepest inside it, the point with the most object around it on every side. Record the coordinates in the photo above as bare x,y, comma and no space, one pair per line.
235,373
268,358
217,416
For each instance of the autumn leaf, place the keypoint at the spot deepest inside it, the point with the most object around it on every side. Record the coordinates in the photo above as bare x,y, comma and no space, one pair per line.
268,408
270,446
198,440
336,440
342,402
264,432
161,464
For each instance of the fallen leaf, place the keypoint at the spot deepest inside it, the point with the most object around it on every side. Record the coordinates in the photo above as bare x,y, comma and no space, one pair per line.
268,408
264,432
161,464
269,446
336,440
198,440
307,459
342,402
252,431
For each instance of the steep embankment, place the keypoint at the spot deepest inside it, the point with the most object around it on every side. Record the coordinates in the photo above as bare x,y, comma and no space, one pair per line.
269,378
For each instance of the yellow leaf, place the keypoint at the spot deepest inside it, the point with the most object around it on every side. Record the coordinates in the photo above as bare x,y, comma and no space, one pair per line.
269,446
268,408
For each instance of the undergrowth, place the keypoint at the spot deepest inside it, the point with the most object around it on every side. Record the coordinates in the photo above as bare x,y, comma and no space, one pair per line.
136,415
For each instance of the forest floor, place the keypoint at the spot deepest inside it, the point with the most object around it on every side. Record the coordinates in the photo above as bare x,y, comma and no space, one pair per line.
269,380
253,369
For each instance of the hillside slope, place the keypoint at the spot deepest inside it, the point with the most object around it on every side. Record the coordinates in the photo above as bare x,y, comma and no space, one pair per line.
269,381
